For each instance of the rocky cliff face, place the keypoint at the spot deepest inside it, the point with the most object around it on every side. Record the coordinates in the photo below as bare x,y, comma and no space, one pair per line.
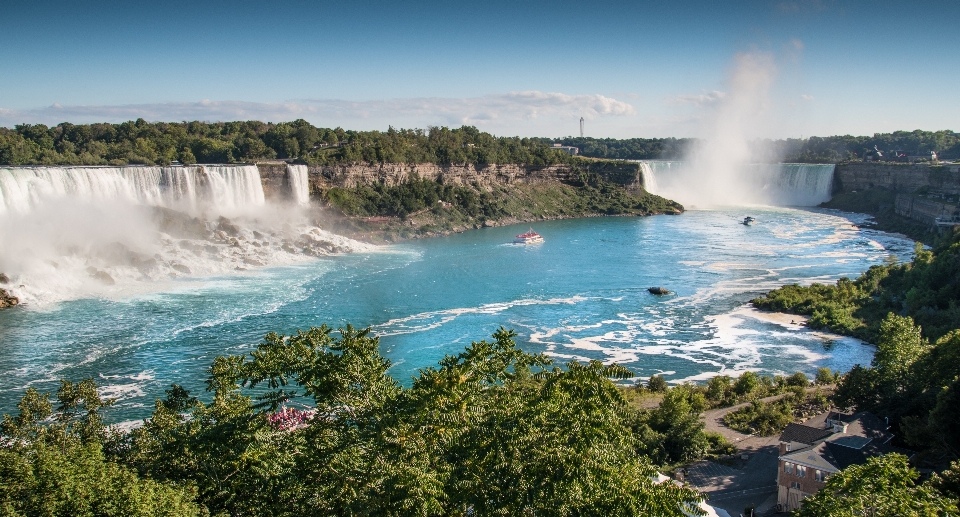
276,183
897,177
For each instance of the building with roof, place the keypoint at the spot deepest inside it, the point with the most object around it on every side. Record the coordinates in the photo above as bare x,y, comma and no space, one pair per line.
569,149
813,451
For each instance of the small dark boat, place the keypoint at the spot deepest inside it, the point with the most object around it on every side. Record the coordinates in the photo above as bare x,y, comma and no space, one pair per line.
747,221
658,290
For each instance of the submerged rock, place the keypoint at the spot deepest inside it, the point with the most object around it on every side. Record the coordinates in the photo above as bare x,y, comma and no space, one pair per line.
658,290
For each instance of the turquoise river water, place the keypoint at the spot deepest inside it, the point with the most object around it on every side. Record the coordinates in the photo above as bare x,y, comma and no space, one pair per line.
580,295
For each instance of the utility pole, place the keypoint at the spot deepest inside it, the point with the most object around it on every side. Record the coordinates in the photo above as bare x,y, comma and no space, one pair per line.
581,127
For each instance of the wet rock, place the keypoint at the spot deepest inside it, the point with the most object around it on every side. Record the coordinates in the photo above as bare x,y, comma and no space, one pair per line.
226,226
253,262
181,268
658,290
7,299
4,279
257,235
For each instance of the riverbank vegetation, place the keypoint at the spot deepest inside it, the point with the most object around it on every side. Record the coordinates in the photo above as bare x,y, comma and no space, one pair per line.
927,289
910,311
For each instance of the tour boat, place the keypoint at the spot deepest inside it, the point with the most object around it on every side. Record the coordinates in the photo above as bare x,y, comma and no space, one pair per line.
747,221
530,237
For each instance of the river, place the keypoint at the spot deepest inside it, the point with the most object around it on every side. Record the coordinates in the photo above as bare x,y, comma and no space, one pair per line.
580,295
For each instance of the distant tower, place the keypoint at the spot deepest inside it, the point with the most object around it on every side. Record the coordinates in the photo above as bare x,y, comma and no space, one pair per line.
581,127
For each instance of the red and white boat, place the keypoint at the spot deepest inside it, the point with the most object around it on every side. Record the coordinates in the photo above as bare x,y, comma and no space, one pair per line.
530,237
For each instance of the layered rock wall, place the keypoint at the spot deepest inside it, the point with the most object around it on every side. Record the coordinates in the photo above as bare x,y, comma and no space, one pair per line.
901,178
276,183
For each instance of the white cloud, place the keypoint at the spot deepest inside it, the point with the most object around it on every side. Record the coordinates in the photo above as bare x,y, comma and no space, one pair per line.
704,99
806,97
507,110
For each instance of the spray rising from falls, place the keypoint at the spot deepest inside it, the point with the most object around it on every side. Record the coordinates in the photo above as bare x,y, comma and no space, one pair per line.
75,232
779,184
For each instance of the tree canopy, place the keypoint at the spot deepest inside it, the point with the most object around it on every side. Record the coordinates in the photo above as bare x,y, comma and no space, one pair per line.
312,424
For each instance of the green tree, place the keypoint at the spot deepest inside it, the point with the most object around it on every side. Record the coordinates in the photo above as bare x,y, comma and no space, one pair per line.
657,384
882,487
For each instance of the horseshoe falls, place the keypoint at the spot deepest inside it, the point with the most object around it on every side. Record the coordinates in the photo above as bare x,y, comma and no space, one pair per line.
778,184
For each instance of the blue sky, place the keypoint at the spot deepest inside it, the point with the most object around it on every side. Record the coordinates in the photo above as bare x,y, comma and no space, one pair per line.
632,69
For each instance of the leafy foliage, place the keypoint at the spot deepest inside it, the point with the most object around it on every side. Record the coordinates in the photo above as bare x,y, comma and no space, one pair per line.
54,462
491,431
884,486
926,289
141,142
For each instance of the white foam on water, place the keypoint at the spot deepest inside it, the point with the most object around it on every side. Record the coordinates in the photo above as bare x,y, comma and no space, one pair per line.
425,321
82,232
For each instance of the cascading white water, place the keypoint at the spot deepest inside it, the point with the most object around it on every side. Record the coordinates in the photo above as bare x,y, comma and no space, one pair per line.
75,232
650,169
795,184
299,183
227,188
24,188
781,184
234,187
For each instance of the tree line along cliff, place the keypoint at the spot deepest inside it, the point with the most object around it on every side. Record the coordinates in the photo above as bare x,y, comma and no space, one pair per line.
161,143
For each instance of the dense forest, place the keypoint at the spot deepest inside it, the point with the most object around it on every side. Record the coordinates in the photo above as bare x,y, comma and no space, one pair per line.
141,142
628,148
911,312
834,149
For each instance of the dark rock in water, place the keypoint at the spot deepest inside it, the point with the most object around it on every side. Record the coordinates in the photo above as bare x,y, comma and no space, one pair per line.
4,279
181,268
102,276
658,290
7,300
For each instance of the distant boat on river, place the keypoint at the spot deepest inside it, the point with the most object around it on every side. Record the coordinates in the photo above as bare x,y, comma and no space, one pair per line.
531,237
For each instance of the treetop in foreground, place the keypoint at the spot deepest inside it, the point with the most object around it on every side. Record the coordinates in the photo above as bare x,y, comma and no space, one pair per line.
490,431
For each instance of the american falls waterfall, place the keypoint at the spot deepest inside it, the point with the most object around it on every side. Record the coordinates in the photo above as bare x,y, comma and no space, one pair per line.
78,232
299,184
226,188
779,184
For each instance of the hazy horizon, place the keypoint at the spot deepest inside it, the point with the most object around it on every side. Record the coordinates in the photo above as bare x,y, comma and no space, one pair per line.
528,69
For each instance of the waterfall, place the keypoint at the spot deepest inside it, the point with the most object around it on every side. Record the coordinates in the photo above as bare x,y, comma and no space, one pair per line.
75,232
299,183
795,184
229,188
651,169
782,184
234,187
